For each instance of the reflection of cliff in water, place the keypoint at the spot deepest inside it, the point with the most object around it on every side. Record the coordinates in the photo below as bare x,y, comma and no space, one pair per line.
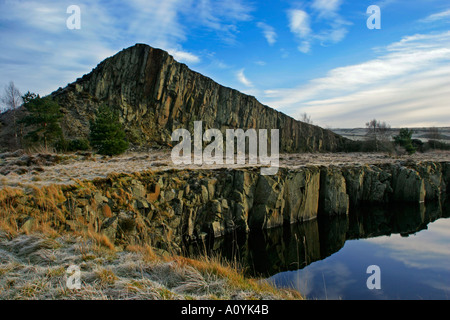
292,247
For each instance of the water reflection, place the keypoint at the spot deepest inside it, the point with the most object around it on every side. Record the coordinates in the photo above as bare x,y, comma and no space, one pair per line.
293,247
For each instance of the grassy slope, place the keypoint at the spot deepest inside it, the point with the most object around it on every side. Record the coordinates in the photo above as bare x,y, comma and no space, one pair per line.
34,266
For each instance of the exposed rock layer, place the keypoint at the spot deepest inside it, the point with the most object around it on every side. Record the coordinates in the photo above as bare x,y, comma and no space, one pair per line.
164,207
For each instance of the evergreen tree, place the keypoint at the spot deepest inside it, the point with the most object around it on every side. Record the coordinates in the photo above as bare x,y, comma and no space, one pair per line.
43,115
107,135
404,139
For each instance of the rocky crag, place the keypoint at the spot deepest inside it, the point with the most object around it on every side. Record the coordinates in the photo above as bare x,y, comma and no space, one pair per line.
154,95
165,207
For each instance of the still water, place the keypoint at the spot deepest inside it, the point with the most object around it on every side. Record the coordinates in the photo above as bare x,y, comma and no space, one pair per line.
327,258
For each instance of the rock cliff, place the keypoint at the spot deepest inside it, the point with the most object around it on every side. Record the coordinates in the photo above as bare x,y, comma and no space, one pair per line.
167,206
154,95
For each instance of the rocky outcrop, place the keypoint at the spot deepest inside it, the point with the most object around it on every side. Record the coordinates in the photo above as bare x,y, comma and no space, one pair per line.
165,207
154,95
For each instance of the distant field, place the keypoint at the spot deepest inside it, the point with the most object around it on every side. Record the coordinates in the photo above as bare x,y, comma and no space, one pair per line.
423,134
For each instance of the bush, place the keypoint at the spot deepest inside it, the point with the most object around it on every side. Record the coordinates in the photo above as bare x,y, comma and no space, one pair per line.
72,145
79,145
107,134
436,145
367,146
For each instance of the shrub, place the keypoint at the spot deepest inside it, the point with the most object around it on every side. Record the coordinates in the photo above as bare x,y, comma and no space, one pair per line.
64,145
437,145
78,145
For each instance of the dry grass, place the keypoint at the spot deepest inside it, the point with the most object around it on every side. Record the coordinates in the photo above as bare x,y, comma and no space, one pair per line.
34,267
74,169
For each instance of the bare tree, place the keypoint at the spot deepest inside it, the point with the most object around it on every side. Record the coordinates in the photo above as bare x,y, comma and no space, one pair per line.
12,99
434,133
378,132
304,117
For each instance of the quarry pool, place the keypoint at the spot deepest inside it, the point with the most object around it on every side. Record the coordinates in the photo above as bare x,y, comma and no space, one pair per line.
414,268
329,257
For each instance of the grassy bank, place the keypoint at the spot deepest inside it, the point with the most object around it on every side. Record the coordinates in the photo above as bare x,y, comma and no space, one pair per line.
35,265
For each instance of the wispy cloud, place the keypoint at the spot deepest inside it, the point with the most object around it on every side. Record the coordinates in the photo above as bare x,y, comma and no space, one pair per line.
219,16
437,17
268,32
185,56
409,83
243,79
326,8
320,22
299,23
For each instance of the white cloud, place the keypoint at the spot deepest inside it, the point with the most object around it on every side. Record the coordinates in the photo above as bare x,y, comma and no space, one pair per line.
408,84
332,28
304,47
269,32
437,16
299,23
326,8
184,56
243,79
220,16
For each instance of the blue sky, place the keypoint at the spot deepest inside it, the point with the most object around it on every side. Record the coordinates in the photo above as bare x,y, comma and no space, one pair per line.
317,56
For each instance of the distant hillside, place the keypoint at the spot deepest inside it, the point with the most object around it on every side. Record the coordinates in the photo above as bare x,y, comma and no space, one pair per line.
424,134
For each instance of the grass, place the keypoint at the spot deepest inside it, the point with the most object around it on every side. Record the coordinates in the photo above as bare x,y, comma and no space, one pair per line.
33,266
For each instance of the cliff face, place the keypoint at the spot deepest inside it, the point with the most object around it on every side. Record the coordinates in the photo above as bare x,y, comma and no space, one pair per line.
155,95
164,207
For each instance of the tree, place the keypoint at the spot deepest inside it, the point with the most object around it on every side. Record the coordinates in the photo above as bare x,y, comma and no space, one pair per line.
12,99
304,117
434,134
43,115
27,97
404,139
107,134
378,132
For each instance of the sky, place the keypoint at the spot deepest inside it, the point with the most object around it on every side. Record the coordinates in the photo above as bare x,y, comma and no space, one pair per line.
320,57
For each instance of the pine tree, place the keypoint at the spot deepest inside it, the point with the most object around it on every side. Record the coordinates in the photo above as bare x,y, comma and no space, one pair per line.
404,139
107,135
43,115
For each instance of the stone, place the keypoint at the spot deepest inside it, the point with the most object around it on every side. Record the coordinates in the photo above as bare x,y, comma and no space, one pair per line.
109,227
334,199
268,207
407,185
302,195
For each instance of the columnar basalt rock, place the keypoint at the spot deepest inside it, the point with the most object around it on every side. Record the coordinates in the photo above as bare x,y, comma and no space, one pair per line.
333,196
165,207
154,95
